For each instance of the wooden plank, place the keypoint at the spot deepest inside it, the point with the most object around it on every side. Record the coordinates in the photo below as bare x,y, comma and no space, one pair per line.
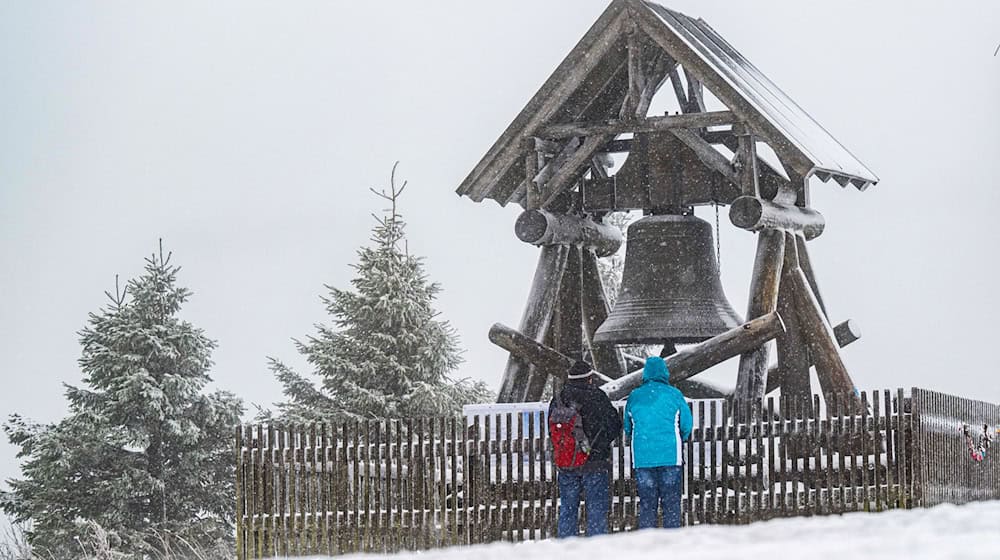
326,490
479,519
901,451
532,480
702,486
453,458
438,477
280,492
749,461
714,418
890,450
795,410
434,482
241,553
735,458
727,417
783,417
809,474
750,382
865,448
269,499
771,441
759,453
688,462
543,478
521,502
314,496
342,487
839,439
409,454
614,127
876,449
259,488
825,442
421,533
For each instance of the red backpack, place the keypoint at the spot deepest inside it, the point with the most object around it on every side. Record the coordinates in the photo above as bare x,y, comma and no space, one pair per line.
569,442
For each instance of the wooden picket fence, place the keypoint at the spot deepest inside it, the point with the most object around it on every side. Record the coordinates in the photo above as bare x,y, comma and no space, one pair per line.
384,486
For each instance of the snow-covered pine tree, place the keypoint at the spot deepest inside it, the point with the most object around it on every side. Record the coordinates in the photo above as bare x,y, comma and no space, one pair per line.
387,354
144,452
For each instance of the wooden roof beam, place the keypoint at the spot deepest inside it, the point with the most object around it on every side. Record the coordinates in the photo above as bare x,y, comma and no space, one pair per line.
707,154
649,124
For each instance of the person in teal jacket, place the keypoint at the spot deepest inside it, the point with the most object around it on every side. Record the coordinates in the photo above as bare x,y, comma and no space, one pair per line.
657,420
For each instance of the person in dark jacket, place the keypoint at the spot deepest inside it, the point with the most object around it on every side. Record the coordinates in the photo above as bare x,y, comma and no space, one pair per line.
602,425
658,420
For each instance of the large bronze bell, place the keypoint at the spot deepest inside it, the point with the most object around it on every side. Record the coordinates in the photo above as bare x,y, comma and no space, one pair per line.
671,290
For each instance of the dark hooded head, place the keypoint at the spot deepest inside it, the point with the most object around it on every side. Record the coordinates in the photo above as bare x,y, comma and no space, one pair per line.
579,372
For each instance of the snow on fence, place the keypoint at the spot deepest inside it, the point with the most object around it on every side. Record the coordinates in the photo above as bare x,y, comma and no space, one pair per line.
384,486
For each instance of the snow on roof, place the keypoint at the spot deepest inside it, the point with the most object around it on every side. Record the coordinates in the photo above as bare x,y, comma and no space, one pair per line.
592,81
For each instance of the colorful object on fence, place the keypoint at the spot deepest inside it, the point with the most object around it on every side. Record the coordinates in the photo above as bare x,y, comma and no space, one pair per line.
978,447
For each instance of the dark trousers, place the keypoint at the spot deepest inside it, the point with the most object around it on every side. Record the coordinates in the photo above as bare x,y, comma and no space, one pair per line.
659,487
595,485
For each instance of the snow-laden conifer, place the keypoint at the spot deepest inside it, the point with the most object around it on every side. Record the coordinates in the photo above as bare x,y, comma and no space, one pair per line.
145,452
386,353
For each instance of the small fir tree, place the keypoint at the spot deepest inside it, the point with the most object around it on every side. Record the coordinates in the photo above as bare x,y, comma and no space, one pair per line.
144,453
387,355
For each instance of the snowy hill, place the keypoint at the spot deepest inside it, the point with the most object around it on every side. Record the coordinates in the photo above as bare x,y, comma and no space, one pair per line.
970,532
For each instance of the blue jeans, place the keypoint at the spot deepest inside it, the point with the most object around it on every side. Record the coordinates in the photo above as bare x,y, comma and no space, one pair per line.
659,486
595,484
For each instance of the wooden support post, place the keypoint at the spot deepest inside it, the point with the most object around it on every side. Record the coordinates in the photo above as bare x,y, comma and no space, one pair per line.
695,94
699,357
547,358
607,358
763,300
636,79
805,263
568,324
793,354
531,168
748,160
830,369
846,333
537,316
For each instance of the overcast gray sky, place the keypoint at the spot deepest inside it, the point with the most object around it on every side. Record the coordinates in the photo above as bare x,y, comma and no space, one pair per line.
247,134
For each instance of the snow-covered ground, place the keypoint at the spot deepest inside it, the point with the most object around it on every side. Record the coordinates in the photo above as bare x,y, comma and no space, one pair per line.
970,532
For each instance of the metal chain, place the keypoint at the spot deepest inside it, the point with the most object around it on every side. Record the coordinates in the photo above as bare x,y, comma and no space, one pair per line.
718,243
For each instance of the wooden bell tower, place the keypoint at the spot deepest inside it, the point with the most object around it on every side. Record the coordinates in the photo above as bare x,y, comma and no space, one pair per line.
554,162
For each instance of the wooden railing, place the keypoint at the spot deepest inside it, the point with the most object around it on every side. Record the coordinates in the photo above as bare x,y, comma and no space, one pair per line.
392,485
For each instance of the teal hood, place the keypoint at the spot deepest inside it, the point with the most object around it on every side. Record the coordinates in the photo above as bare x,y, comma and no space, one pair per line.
656,370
